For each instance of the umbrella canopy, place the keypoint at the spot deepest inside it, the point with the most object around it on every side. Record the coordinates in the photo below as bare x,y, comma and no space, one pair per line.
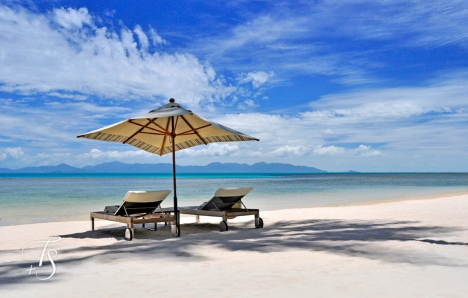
167,129
153,132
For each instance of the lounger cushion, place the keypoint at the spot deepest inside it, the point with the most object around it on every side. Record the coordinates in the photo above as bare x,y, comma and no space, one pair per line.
141,202
111,209
225,198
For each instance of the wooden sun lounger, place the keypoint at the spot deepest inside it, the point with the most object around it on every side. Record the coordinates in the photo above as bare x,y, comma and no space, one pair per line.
138,207
226,204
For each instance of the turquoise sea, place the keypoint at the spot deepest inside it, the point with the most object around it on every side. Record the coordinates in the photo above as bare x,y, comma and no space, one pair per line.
32,198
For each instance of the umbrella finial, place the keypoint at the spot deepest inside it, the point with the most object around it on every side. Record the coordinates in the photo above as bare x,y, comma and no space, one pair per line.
172,100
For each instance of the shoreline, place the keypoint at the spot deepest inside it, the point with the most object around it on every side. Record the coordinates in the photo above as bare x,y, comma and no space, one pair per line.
362,203
401,199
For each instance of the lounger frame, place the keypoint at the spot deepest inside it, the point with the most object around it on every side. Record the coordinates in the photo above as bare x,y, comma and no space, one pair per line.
137,217
225,214
131,221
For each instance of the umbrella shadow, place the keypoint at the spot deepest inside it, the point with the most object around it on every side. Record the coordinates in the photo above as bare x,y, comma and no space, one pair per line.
162,232
349,237
354,238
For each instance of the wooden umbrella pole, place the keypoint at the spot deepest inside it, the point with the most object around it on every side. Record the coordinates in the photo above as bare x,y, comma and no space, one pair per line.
176,212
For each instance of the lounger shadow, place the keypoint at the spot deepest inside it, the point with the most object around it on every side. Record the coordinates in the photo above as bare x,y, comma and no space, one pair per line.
138,207
227,204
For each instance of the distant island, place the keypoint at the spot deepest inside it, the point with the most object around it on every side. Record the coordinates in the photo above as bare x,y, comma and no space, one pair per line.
215,167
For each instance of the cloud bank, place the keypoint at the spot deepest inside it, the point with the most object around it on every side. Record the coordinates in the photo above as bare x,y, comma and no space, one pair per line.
68,50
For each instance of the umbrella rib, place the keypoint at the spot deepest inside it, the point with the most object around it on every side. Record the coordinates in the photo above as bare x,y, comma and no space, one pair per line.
165,131
194,130
164,139
146,126
137,132
153,133
177,121
174,129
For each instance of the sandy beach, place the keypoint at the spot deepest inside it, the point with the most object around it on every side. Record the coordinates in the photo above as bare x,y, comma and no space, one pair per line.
406,248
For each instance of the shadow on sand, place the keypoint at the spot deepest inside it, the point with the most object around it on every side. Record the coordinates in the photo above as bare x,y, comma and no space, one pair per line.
355,238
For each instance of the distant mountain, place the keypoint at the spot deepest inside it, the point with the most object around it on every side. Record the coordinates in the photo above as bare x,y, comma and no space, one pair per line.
119,167
215,167
260,167
61,168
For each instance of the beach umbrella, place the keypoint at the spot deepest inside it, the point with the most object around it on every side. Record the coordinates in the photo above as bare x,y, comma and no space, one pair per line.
167,129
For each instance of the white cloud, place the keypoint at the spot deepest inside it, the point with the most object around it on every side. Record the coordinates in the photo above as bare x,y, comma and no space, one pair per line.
388,124
211,150
429,121
290,150
78,57
257,78
366,151
416,23
86,58
156,38
393,103
330,150
263,29
115,155
247,104
72,18
55,124
144,41
308,38
362,150
68,96
15,152
92,157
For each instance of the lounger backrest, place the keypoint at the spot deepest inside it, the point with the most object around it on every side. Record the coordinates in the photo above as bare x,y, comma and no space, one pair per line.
136,202
225,198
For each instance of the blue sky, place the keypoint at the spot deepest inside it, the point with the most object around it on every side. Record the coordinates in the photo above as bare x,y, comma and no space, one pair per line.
338,85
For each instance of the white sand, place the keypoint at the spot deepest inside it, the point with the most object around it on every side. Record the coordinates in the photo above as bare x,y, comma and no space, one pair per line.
416,248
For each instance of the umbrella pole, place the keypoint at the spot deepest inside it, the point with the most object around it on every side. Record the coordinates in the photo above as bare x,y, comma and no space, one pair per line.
176,210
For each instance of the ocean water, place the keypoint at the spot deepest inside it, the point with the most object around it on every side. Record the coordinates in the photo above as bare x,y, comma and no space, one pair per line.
33,198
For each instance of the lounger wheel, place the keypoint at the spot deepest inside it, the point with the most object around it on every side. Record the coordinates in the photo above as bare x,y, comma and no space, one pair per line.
176,231
260,223
128,234
223,226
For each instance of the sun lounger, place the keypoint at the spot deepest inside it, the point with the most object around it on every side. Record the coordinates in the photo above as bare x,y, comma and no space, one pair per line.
227,204
138,207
